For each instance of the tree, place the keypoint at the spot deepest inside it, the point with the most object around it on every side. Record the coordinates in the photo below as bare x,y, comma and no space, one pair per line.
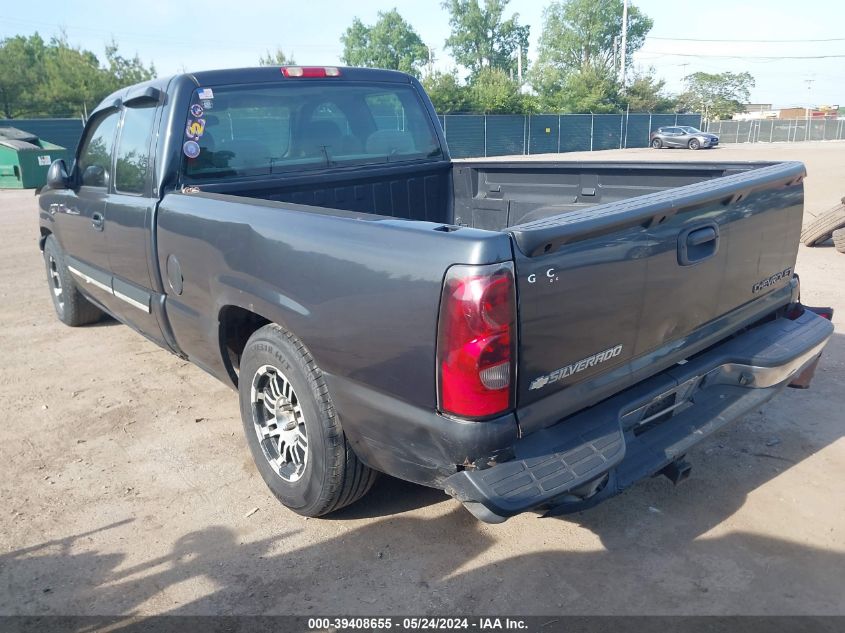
58,79
492,91
279,58
716,95
481,38
580,34
73,81
591,90
645,93
389,43
446,93
579,53
123,71
21,64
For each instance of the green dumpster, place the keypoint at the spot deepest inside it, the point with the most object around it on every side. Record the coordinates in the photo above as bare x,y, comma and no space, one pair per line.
25,158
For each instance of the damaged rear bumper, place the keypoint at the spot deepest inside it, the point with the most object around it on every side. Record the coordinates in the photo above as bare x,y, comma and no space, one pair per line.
645,429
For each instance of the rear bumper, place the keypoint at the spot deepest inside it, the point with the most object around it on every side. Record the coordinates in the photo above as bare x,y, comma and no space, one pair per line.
607,448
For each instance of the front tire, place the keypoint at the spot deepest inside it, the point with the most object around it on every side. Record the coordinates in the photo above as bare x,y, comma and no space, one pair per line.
694,144
71,306
292,429
657,143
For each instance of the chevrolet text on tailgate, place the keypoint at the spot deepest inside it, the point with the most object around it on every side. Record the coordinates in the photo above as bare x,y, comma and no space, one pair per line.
525,336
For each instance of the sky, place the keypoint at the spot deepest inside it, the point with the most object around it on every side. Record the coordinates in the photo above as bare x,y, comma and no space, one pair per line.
203,34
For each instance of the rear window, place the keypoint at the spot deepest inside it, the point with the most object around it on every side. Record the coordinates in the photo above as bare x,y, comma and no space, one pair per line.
259,129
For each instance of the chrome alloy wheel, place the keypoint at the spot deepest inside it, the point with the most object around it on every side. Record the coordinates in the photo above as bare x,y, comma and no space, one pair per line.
55,282
279,423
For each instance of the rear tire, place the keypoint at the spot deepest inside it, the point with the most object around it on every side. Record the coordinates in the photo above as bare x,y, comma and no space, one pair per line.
839,240
821,229
292,428
694,144
71,306
657,143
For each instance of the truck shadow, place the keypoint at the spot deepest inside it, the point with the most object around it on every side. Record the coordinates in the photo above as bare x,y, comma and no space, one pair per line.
445,564
654,549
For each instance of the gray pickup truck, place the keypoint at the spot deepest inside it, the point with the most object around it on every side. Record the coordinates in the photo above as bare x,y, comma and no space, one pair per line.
525,336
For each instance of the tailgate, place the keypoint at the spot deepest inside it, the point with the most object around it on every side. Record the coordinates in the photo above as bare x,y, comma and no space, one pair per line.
616,292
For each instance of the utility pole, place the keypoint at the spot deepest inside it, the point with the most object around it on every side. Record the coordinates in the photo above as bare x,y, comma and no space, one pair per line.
809,83
624,48
519,66
430,61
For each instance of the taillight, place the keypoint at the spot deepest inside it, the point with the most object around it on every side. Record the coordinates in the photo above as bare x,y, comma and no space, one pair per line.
310,71
476,341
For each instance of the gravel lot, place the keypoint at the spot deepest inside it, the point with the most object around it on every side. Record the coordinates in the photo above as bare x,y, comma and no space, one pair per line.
127,488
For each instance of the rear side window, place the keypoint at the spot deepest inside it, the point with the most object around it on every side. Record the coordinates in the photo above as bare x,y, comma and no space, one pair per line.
133,150
94,162
269,129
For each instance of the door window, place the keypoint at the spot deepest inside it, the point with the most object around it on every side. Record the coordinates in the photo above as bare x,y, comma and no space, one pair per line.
133,150
95,156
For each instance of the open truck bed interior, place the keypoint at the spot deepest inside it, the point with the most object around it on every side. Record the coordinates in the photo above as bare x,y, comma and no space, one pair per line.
484,195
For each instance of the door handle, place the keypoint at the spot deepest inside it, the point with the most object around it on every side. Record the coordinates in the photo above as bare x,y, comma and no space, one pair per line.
97,221
697,244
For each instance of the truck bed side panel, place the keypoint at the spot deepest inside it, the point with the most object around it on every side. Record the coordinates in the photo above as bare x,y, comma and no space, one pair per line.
361,292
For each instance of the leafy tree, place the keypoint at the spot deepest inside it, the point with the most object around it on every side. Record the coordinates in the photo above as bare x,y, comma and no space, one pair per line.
579,34
279,58
58,79
21,67
481,38
492,91
447,93
389,43
591,90
576,64
645,93
716,95
73,81
122,71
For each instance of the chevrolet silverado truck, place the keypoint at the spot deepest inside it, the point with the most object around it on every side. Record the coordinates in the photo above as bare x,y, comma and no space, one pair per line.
527,336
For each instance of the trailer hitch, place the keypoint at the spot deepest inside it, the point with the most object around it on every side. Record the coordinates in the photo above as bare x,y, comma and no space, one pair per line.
677,471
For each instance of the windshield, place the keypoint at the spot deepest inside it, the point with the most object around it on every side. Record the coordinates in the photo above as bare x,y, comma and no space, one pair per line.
268,129
690,130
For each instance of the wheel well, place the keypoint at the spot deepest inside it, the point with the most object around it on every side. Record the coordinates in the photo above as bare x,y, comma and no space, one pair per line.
236,326
45,233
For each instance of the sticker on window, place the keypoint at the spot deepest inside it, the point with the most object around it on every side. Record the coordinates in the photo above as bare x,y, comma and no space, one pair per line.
195,129
44,161
191,149
206,93
196,110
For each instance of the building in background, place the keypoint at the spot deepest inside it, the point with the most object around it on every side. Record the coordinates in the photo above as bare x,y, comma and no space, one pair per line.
756,111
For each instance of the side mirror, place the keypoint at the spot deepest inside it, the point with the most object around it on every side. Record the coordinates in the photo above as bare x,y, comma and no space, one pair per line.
94,176
57,177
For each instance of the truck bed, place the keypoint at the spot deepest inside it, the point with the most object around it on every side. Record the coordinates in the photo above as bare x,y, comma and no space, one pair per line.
605,240
485,195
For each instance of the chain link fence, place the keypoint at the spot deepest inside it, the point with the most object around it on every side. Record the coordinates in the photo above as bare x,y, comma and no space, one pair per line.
778,130
478,135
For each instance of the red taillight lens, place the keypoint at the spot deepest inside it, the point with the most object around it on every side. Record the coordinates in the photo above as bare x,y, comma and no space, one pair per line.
310,71
476,342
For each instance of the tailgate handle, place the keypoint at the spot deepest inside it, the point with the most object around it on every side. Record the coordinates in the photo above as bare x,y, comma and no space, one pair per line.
697,244
701,236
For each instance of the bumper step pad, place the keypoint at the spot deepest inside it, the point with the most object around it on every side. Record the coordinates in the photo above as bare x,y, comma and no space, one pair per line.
544,467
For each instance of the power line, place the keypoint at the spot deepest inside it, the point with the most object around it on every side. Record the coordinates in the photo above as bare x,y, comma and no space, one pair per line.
694,39
747,57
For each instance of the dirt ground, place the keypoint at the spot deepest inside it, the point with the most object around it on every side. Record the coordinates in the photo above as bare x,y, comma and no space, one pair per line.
127,488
